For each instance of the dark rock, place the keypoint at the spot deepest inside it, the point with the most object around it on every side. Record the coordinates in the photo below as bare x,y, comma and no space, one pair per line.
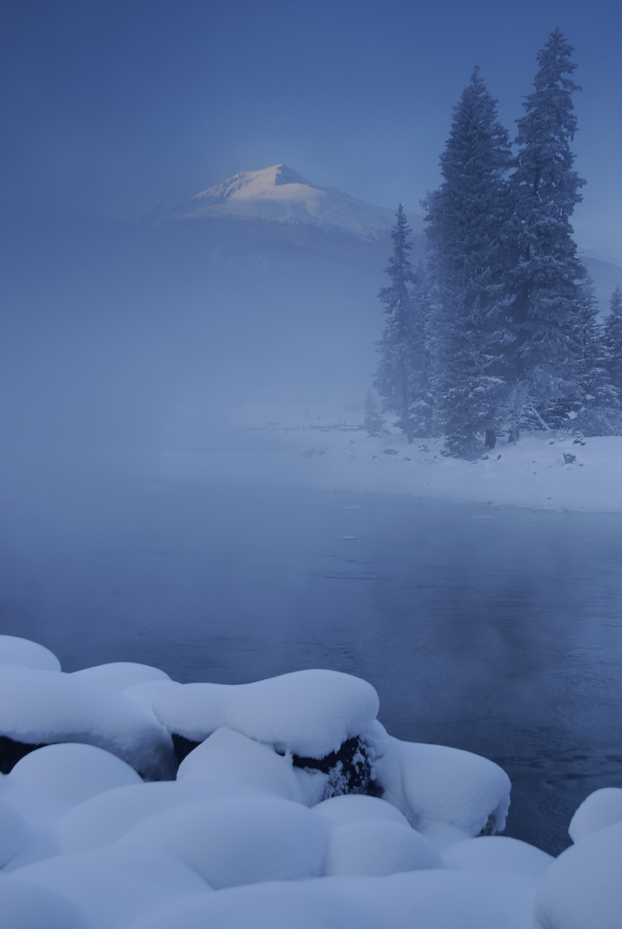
182,746
349,770
12,751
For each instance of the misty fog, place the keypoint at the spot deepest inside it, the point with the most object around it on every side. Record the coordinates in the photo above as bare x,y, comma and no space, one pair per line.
125,346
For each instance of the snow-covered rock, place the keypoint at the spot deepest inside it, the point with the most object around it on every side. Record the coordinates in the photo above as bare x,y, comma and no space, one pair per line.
26,654
308,713
86,844
239,840
379,847
498,854
109,816
120,675
14,833
111,886
602,808
73,772
233,759
25,905
435,784
41,707
359,808
582,889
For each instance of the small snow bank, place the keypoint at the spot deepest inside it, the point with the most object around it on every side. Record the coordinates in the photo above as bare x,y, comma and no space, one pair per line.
553,470
243,836
234,760
26,654
583,887
41,707
602,808
26,905
433,784
307,713
72,772
239,840
120,675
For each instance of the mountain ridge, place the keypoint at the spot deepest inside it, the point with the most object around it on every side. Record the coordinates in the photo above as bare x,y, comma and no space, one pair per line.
280,194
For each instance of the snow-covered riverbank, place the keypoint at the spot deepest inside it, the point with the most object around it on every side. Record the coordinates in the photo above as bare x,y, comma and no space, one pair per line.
292,806
553,471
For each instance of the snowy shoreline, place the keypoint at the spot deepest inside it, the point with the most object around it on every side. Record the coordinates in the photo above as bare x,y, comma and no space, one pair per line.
536,472
246,828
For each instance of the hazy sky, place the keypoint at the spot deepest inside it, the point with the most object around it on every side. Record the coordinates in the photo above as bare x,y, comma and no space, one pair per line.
114,106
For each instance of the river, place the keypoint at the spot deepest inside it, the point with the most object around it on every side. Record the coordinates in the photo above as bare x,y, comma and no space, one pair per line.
496,630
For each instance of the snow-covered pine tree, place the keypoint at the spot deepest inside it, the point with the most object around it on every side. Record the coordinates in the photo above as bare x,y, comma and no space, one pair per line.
465,216
552,307
401,375
373,420
613,338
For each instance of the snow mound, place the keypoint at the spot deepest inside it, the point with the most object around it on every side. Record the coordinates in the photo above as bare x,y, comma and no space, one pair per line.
106,818
309,713
435,784
497,854
602,808
304,905
41,707
121,674
72,772
582,889
28,906
358,808
233,759
26,654
112,886
415,900
14,834
377,847
239,840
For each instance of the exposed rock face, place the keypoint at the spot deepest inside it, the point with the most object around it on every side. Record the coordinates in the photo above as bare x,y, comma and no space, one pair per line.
349,770
182,746
12,751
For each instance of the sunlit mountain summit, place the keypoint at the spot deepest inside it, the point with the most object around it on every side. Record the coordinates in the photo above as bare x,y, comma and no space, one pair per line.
279,194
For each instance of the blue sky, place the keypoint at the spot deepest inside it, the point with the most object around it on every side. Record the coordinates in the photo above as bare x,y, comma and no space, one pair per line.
113,106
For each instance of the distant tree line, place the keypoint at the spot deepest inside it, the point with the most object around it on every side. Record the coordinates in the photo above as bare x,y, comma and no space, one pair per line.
498,332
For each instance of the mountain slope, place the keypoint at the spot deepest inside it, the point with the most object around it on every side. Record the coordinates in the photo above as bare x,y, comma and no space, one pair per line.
280,194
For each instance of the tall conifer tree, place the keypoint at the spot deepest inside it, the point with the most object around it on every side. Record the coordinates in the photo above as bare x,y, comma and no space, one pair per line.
465,223
553,306
613,338
401,376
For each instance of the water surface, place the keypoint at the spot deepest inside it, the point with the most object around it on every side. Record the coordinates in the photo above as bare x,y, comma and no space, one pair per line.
495,630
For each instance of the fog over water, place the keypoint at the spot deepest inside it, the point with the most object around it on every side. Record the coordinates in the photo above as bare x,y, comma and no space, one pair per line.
494,630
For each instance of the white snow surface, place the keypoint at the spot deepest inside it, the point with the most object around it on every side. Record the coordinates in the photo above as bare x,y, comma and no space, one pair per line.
72,772
582,889
435,784
239,840
49,706
120,675
309,713
498,854
280,194
26,654
602,808
318,454
229,758
232,842
377,847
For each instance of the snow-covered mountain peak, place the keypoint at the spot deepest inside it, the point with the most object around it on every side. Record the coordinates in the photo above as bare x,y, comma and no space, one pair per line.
280,194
